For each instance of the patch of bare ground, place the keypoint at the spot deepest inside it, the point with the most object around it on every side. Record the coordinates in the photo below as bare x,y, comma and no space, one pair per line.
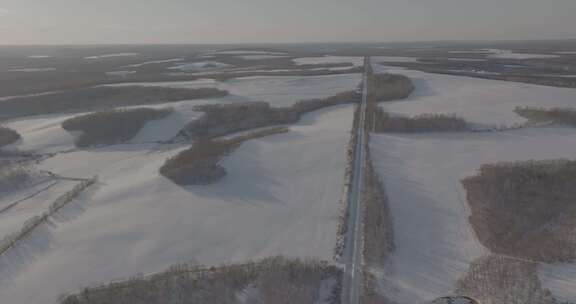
563,116
100,98
274,280
525,209
200,164
385,122
377,222
495,280
111,127
8,136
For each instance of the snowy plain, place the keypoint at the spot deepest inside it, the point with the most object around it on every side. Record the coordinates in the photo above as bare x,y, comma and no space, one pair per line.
279,91
281,196
481,101
422,173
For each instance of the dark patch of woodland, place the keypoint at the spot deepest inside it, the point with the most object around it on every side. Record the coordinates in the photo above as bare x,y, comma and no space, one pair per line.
274,280
385,122
111,127
100,98
200,164
8,136
525,209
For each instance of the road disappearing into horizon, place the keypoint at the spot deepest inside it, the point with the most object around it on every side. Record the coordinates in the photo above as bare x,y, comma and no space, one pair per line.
352,257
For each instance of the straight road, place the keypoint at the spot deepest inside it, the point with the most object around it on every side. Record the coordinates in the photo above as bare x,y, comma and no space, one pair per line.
352,257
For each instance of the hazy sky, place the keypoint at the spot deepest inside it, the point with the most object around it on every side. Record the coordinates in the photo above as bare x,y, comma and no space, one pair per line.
232,21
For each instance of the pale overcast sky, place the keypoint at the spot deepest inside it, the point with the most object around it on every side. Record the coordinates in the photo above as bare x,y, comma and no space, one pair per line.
234,21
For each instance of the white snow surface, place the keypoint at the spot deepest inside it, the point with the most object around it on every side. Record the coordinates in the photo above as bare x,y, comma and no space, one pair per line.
377,59
279,91
43,134
357,61
481,101
259,57
281,196
560,279
422,173
199,66
31,70
507,54
113,55
155,62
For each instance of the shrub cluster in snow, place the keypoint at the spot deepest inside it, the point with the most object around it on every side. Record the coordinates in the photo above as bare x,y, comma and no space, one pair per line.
8,136
112,127
273,280
495,280
377,223
224,119
525,209
309,105
385,87
220,120
100,98
565,116
200,164
15,176
385,122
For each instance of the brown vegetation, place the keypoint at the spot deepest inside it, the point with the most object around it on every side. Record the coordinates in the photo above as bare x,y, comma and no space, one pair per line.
385,122
224,119
100,98
563,116
274,280
525,209
112,127
8,136
14,176
377,223
200,164
496,280
386,87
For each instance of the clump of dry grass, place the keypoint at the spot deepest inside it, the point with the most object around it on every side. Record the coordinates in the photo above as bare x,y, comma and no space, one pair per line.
8,136
377,224
494,280
384,122
275,280
200,164
112,127
525,209
565,116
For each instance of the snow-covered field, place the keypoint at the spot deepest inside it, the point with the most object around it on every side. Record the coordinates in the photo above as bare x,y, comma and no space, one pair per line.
279,91
506,54
477,100
281,196
31,70
422,173
112,55
378,59
200,66
357,61
259,57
